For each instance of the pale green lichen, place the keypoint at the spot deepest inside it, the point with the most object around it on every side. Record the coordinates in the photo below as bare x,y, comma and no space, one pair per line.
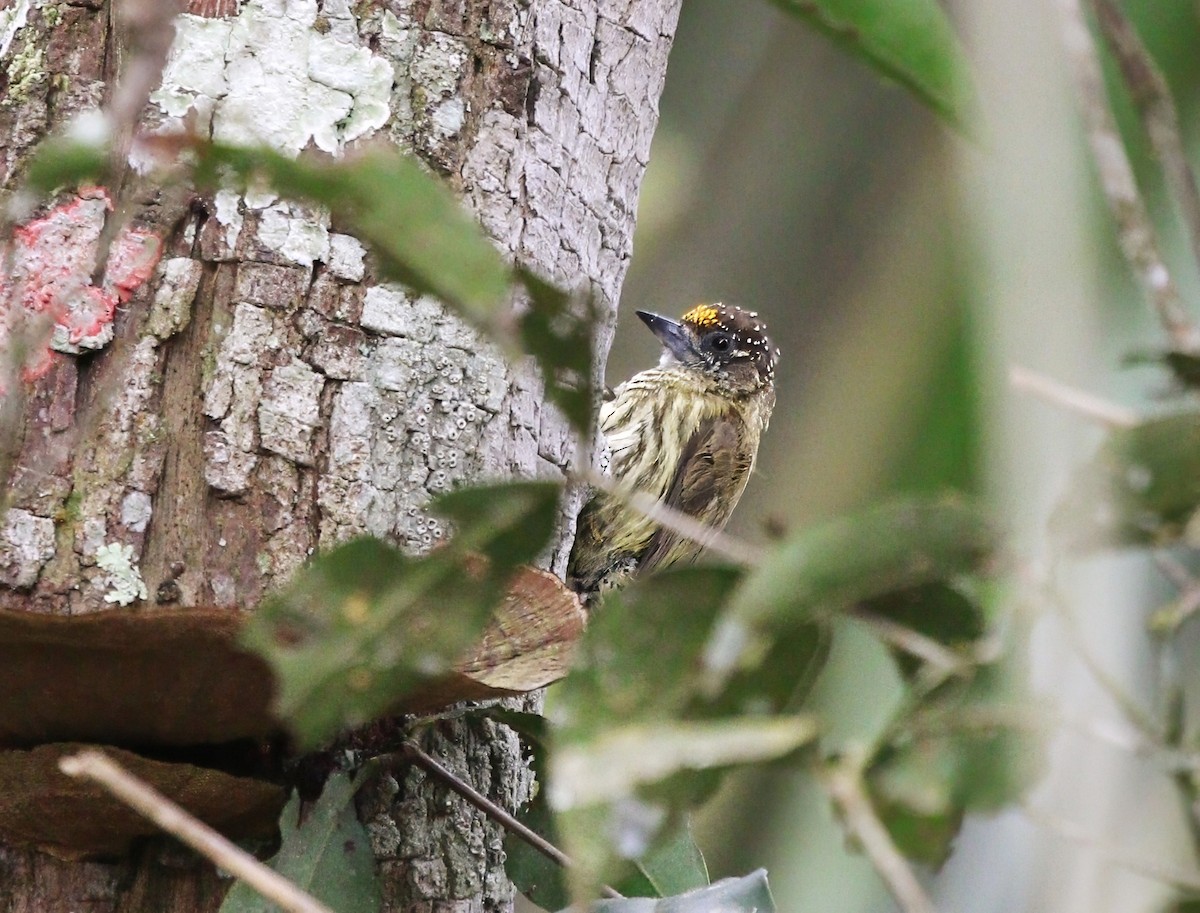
25,71
52,14
124,579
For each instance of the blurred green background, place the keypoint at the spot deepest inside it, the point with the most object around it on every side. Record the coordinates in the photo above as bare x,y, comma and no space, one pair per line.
902,270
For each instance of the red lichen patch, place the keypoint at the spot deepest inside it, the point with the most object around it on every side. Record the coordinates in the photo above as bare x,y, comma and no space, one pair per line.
51,261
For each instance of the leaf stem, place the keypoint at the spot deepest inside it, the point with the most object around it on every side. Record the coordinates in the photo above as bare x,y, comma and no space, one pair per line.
843,782
677,521
142,798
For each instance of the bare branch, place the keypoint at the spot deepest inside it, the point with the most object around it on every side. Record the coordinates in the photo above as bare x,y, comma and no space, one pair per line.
94,765
1070,398
1135,231
1154,104
844,784
676,521
1069,830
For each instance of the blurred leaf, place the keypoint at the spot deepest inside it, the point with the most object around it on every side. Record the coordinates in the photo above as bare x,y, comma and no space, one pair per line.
422,236
621,759
64,162
749,894
1141,488
614,683
328,855
419,232
827,568
529,642
910,41
1183,906
74,819
968,749
675,864
364,625
936,610
1183,365
559,333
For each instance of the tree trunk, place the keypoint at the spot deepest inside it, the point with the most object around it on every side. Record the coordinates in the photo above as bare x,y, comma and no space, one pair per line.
263,396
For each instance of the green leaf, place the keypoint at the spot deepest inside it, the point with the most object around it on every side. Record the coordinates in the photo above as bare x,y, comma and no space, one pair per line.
327,855
967,749
749,894
613,683
674,863
618,761
559,333
1141,488
824,569
64,162
365,624
419,232
910,41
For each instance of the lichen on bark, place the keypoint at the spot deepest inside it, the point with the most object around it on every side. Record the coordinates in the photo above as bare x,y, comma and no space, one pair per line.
265,395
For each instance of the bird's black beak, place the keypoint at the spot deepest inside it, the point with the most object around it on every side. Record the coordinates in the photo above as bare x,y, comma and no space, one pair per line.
671,333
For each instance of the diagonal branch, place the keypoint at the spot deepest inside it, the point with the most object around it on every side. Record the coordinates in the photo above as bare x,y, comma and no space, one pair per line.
1156,108
95,765
413,752
677,521
843,782
1135,231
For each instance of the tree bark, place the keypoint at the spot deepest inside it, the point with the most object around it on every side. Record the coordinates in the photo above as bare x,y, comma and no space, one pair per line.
263,396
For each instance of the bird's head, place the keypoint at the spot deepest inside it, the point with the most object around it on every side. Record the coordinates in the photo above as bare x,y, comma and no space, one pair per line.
727,344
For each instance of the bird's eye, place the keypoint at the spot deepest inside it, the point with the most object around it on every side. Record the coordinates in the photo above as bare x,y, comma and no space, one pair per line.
719,342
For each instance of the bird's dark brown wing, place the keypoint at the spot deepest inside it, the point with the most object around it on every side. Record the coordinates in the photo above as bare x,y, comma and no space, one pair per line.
707,484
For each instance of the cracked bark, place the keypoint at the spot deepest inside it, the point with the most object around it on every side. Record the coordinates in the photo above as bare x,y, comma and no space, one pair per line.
264,396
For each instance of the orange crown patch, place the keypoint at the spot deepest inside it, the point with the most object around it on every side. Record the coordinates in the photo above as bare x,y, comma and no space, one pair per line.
703,316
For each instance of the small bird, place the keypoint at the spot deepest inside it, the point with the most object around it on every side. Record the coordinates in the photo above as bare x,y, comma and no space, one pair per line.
686,432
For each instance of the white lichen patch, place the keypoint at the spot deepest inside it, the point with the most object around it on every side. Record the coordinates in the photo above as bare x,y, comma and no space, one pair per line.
292,230
327,88
290,411
136,510
12,20
227,209
26,544
124,580
172,306
346,257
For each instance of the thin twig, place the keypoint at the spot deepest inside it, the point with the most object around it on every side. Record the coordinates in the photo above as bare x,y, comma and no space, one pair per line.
1072,399
1083,836
1166,620
431,765
150,29
676,521
844,784
1154,104
914,643
95,765
1135,231
1134,713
